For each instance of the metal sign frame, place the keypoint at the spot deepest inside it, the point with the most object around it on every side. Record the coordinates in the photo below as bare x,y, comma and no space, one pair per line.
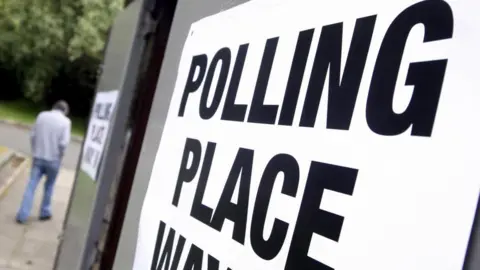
88,200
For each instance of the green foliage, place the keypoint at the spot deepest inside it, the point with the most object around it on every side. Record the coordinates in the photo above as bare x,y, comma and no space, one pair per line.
92,27
75,83
41,38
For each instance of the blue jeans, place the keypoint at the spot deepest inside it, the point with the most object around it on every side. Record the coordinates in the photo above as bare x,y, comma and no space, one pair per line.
40,167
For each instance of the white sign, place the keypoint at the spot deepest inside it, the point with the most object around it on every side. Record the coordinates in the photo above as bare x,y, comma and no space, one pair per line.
97,132
320,135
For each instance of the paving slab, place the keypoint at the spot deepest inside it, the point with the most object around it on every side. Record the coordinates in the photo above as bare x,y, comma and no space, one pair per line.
34,245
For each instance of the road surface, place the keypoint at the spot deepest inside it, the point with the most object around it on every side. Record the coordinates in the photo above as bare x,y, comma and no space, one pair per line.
19,139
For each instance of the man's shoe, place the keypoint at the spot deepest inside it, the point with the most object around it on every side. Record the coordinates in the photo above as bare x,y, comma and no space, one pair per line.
45,218
20,221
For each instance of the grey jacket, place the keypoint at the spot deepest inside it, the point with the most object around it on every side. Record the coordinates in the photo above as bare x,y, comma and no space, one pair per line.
50,135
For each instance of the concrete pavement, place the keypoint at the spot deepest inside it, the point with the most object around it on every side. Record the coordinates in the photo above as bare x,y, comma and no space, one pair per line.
19,140
34,245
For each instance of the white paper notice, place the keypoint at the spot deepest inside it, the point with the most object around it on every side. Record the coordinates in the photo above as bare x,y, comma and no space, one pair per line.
97,132
319,135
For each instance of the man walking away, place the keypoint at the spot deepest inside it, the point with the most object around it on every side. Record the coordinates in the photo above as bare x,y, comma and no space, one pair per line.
49,139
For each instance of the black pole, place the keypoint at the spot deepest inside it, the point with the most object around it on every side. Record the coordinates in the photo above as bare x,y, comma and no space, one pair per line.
145,91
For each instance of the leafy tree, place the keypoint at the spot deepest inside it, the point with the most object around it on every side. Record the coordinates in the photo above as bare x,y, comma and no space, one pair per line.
30,38
92,27
43,39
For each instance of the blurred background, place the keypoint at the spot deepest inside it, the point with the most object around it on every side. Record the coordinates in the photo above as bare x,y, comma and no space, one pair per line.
50,50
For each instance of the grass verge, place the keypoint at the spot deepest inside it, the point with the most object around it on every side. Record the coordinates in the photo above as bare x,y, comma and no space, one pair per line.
25,112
